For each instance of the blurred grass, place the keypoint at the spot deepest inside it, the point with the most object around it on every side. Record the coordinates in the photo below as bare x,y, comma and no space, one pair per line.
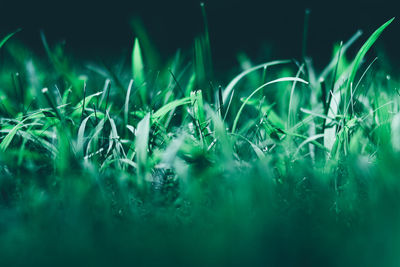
110,165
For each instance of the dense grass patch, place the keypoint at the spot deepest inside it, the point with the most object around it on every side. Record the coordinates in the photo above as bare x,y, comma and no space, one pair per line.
149,163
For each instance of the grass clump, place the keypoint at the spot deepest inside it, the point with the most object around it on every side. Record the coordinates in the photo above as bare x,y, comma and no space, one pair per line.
150,164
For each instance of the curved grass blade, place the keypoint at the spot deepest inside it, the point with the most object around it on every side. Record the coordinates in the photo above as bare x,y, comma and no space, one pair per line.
360,55
286,79
159,114
235,81
256,149
81,135
5,39
331,66
308,140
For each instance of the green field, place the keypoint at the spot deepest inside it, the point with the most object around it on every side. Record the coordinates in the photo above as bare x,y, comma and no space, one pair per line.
147,162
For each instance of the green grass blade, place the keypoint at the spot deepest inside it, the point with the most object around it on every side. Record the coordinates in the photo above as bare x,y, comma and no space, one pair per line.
138,70
360,55
307,141
286,79
141,144
81,136
5,39
126,107
291,118
331,66
239,77
9,137
151,53
78,109
160,113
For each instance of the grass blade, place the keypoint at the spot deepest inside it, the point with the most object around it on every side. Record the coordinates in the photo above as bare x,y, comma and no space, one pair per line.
126,107
239,77
160,113
286,79
360,55
141,144
138,70
5,39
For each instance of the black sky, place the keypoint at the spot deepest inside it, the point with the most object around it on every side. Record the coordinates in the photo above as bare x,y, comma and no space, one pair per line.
103,26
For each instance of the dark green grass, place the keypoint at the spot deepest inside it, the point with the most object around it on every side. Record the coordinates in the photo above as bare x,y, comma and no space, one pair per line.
146,163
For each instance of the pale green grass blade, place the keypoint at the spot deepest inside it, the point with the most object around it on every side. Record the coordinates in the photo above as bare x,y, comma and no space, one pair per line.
395,132
291,119
360,55
196,99
81,136
94,138
331,66
198,109
239,77
138,70
78,109
126,106
160,113
255,148
307,141
286,79
141,145
153,58
316,114
10,135
221,136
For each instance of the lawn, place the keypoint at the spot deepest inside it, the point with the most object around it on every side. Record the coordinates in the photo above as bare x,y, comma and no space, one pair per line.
150,162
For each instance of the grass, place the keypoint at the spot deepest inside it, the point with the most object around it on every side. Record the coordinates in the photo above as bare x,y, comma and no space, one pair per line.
148,163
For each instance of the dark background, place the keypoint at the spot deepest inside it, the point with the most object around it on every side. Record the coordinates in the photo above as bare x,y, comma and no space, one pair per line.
102,28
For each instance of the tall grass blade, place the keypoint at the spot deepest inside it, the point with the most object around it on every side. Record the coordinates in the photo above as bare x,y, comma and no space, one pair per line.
239,77
286,79
126,106
141,146
138,70
360,55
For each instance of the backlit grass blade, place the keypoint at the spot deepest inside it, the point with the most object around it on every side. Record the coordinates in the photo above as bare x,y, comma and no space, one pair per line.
196,98
331,66
11,134
255,148
360,55
126,106
237,79
141,145
395,132
5,39
81,136
286,79
153,58
160,113
291,118
78,109
138,70
307,141
93,143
